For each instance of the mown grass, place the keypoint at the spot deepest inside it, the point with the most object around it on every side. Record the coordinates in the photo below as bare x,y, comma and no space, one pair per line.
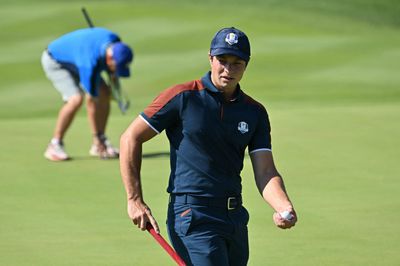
327,71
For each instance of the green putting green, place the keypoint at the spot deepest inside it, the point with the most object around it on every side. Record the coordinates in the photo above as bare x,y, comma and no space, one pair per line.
327,71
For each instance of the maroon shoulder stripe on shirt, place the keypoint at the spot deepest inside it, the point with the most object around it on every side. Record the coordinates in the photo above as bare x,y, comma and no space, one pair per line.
164,97
251,101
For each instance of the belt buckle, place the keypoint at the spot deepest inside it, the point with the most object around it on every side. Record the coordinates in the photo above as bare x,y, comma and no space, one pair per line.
229,203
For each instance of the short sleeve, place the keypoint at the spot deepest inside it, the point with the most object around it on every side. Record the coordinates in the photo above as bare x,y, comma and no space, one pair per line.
163,111
261,139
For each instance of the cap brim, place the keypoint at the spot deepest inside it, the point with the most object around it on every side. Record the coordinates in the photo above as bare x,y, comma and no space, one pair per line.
222,51
123,72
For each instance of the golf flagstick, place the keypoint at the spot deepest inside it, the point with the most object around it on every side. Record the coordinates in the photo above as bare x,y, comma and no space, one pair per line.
116,90
164,244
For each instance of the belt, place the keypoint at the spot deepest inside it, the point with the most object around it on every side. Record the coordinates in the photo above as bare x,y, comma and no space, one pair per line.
229,203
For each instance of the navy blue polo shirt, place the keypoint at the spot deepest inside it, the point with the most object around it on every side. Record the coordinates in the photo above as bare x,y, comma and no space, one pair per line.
208,136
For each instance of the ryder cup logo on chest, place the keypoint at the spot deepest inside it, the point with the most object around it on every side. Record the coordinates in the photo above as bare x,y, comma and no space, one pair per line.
243,127
231,38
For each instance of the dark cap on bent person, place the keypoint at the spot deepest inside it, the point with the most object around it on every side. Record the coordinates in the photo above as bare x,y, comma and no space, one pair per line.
123,56
231,41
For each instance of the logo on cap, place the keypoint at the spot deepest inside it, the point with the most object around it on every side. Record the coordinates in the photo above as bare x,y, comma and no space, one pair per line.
231,38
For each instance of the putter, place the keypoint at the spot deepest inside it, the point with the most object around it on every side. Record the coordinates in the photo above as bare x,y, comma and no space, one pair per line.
164,244
118,94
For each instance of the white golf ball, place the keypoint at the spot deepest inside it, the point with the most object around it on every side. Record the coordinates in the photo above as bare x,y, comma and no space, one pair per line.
286,215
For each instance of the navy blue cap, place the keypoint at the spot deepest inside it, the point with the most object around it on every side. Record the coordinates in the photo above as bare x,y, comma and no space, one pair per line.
231,41
123,56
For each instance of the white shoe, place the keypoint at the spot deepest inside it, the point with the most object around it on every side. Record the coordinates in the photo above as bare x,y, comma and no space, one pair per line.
56,152
111,151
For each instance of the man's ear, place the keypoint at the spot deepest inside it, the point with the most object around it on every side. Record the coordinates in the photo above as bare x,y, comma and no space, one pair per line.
210,58
109,57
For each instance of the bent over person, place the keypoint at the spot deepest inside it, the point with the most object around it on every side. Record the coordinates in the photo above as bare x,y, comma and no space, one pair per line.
74,63
209,124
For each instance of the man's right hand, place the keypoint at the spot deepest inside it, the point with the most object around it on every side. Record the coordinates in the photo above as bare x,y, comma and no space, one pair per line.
140,214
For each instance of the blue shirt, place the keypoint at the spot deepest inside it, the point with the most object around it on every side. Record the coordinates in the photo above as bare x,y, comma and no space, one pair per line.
83,52
208,136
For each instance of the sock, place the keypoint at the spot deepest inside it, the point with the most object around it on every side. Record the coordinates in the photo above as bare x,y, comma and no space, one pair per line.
56,141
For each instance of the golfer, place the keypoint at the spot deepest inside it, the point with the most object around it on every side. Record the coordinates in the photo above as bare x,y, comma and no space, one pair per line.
74,63
209,124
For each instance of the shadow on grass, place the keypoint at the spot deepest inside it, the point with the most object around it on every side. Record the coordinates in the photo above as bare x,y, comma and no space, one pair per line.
87,158
94,158
156,154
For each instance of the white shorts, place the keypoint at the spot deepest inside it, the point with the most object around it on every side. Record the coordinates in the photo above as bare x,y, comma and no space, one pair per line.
64,80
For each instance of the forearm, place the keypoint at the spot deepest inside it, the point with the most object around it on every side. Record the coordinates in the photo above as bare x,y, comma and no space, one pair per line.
130,165
274,193
269,182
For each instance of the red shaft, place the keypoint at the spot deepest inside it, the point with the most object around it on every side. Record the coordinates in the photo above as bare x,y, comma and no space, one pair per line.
164,244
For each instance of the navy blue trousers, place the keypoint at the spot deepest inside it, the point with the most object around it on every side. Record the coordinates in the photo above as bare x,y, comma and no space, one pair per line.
205,236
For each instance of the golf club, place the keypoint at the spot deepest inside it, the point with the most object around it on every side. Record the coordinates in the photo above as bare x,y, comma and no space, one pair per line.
86,15
164,244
